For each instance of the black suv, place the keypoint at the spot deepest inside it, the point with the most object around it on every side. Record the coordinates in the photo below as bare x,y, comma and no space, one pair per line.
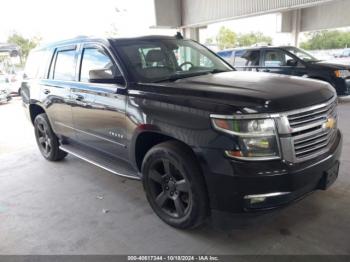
289,60
203,138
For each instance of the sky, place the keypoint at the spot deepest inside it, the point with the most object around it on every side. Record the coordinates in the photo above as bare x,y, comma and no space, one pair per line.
266,24
60,19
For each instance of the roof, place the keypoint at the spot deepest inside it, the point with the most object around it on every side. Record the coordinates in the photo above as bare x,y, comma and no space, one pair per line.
82,39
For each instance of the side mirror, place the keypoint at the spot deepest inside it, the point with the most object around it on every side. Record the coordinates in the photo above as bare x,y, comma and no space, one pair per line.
292,62
105,76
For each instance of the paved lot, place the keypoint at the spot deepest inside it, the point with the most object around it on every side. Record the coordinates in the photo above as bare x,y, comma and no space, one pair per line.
52,208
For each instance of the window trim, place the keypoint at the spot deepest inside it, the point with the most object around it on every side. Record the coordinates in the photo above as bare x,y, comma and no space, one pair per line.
52,68
98,45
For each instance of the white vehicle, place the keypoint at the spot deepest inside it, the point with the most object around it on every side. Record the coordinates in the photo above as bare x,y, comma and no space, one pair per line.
4,89
15,81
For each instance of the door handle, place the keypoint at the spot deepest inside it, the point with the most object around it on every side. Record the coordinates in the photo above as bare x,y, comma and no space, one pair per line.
47,91
266,70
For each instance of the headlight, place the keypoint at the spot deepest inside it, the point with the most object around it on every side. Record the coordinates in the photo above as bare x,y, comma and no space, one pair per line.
342,73
256,138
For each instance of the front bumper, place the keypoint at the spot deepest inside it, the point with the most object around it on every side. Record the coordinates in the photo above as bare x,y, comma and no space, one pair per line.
231,184
342,86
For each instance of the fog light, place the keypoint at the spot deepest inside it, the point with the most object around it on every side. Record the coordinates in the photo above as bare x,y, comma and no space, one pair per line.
265,200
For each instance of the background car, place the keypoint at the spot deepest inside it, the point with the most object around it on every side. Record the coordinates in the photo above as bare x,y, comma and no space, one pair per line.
15,81
12,49
289,60
5,88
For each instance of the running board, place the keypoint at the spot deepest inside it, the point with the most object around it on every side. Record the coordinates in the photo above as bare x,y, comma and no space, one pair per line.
104,161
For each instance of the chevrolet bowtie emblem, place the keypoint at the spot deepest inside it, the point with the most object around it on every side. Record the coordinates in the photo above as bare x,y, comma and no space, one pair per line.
330,124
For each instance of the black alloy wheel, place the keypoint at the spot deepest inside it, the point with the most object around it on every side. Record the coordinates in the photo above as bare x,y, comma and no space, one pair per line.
47,140
45,143
170,188
174,185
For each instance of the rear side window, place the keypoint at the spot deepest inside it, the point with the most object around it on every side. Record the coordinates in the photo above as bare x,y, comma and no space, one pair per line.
65,65
247,58
225,54
36,66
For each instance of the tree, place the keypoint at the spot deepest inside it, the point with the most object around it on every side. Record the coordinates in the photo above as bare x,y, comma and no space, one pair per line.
253,38
327,40
226,38
24,43
209,41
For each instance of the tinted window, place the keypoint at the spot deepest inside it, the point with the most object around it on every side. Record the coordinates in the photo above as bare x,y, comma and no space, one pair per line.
245,58
189,58
276,58
65,65
163,59
225,54
96,64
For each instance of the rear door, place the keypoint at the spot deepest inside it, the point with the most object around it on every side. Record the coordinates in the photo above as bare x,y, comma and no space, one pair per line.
247,60
57,87
99,103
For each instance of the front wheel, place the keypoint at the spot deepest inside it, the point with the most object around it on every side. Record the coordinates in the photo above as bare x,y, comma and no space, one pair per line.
47,140
174,185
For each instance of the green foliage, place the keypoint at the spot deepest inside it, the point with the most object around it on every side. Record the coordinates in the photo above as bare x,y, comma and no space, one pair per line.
24,43
226,38
253,38
327,40
209,41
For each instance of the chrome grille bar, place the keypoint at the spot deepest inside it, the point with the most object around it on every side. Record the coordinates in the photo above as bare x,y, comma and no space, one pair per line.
310,135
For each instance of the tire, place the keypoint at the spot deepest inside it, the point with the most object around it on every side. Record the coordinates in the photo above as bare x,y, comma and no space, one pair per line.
47,140
174,185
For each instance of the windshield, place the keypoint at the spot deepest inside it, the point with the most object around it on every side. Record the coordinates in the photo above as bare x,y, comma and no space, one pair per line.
156,60
301,54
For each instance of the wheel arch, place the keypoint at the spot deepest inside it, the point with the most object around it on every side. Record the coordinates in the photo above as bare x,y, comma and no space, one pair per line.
145,140
34,110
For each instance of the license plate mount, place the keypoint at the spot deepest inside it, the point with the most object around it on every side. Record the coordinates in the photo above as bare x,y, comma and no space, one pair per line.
330,176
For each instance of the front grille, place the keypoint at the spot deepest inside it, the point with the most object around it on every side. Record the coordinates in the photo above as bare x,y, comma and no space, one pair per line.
313,130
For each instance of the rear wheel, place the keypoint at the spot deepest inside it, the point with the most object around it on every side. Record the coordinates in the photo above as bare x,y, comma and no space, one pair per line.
174,185
47,140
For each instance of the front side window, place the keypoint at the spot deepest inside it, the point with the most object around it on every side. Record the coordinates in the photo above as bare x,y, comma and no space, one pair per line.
96,65
158,60
65,65
277,58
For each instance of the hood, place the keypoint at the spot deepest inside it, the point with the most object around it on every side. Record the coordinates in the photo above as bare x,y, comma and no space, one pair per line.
247,92
331,64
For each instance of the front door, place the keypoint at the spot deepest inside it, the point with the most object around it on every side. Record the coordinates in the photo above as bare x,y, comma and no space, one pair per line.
277,61
99,103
